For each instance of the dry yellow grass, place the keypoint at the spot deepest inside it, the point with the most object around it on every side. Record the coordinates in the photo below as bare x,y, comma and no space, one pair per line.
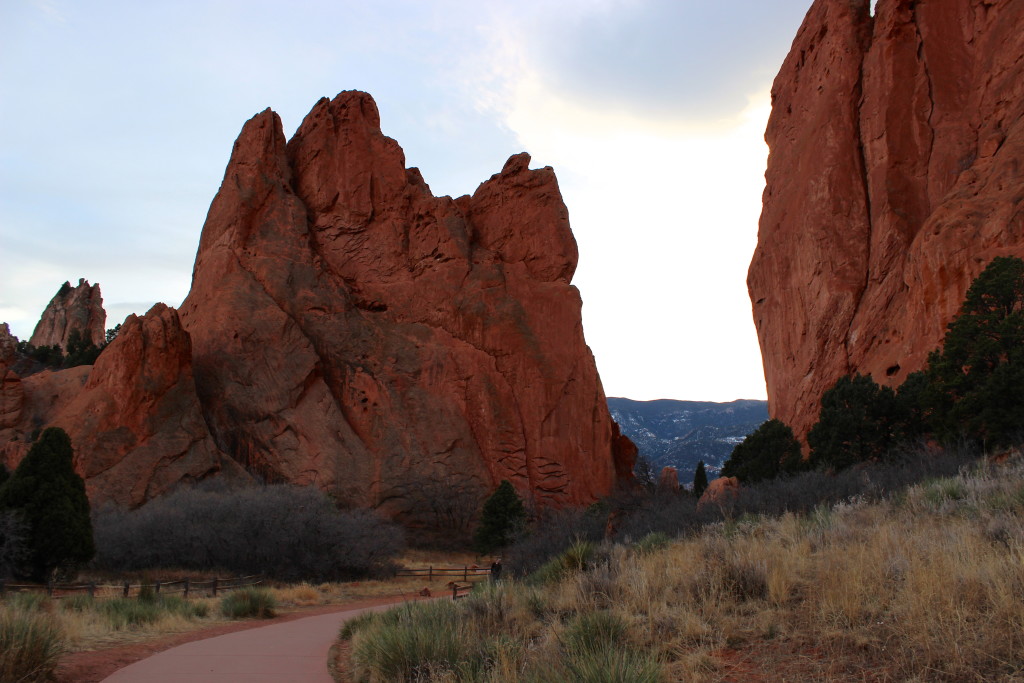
926,587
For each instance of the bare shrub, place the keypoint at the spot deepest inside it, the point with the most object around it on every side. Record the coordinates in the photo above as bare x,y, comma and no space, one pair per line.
550,535
283,531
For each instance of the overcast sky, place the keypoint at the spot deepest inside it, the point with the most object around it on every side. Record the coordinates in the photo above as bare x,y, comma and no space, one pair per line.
117,120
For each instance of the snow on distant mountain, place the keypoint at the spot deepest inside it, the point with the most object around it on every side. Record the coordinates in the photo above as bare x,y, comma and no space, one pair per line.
681,433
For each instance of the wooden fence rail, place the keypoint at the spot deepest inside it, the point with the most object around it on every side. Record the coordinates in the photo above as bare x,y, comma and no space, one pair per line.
465,572
127,589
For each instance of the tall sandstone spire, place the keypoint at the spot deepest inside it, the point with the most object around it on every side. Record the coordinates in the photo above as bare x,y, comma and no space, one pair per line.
72,308
895,174
353,331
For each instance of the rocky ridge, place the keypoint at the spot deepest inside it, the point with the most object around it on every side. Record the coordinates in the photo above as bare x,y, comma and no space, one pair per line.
347,329
894,176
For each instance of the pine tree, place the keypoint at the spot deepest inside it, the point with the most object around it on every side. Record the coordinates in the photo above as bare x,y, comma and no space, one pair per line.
859,421
503,515
769,450
49,496
700,479
974,381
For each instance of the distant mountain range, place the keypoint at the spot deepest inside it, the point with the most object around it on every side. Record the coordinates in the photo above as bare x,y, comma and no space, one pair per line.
681,433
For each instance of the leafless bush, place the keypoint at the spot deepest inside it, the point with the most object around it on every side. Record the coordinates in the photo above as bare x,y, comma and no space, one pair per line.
283,531
550,534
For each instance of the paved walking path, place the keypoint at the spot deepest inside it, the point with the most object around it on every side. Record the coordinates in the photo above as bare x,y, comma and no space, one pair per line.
292,652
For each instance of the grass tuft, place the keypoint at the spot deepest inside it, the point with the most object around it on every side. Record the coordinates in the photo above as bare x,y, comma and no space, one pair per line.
31,643
248,603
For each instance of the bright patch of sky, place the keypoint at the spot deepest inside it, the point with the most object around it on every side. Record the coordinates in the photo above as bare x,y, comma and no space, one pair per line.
117,119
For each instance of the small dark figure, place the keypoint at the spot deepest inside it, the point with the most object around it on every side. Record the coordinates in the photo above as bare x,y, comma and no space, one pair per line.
496,570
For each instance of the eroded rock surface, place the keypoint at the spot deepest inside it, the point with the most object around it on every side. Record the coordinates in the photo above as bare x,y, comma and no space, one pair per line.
72,308
134,417
894,176
351,330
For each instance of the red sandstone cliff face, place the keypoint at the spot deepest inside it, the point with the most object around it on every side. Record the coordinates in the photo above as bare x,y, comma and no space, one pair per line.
351,330
894,176
134,417
72,308
12,395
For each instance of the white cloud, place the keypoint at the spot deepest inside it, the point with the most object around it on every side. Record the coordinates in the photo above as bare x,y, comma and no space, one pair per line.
665,212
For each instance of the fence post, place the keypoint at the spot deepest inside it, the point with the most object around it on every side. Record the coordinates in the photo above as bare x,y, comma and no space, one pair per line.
157,587
430,574
127,589
49,588
186,586
455,591
215,587
465,573
92,589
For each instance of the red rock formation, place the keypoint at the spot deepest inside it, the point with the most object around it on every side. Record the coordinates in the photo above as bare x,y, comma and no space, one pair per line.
351,330
721,493
12,394
134,417
668,480
72,308
894,176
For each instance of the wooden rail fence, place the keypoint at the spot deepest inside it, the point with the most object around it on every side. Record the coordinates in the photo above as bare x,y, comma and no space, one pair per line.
460,589
126,589
466,572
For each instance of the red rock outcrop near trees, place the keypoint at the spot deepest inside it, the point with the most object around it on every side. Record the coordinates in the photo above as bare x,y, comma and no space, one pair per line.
351,330
72,308
134,417
894,176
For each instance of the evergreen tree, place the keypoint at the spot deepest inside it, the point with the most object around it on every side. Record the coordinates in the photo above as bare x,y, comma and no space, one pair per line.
974,381
859,420
764,454
50,499
503,515
81,350
700,479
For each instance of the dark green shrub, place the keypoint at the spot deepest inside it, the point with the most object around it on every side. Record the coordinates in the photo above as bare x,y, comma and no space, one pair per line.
50,498
859,421
764,454
503,516
247,603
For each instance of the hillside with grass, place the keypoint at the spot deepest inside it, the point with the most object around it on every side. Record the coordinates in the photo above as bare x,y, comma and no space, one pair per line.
919,583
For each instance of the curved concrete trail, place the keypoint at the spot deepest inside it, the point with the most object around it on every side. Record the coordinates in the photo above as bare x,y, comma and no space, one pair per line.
295,651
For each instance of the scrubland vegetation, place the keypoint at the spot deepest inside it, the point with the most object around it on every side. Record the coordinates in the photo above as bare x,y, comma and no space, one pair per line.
917,584
286,532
